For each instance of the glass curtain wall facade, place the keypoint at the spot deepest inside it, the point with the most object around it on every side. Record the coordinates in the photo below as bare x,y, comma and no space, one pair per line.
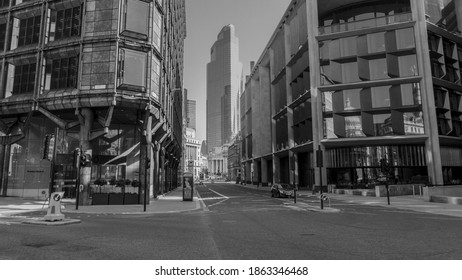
363,82
224,73
96,79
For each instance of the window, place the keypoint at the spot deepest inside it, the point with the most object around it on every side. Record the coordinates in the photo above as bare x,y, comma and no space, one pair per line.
380,97
4,3
378,69
157,29
135,21
382,125
61,73
132,70
29,31
413,123
351,99
410,94
155,78
24,78
2,36
405,38
65,23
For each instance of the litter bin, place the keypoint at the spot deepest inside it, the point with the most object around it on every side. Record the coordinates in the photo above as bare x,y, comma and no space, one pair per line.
188,186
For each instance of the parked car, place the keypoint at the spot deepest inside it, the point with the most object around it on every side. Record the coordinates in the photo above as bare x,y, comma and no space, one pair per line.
282,190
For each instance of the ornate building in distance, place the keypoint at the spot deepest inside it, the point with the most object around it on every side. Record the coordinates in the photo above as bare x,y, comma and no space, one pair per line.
363,81
104,76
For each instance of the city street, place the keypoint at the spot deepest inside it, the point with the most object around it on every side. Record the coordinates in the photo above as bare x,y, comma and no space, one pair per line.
242,223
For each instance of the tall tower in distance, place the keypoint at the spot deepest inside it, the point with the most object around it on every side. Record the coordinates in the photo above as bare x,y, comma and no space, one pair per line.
224,73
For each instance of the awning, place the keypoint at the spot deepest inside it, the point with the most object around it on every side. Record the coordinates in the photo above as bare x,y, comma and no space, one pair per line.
122,158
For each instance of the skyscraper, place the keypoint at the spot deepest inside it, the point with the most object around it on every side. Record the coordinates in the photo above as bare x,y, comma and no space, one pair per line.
191,113
223,86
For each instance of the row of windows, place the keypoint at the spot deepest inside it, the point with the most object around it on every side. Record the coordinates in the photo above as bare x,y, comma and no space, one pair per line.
63,24
366,99
374,56
63,73
361,16
369,125
59,73
68,23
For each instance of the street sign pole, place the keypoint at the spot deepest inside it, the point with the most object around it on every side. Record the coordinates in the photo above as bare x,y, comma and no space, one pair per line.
77,153
320,163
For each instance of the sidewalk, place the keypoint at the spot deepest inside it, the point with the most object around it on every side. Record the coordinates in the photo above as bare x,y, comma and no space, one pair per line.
171,202
408,202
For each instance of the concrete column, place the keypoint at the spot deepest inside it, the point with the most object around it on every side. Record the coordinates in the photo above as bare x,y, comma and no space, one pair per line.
432,144
156,171
86,123
264,172
255,172
276,169
315,79
4,162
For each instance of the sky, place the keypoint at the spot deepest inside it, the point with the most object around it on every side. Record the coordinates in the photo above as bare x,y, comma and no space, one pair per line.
255,22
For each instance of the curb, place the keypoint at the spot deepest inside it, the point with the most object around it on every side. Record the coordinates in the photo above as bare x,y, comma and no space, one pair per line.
42,222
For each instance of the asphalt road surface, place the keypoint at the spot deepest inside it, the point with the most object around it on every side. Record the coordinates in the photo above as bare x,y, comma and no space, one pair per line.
242,223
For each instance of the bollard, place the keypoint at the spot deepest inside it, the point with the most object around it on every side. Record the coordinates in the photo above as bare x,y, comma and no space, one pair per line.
54,208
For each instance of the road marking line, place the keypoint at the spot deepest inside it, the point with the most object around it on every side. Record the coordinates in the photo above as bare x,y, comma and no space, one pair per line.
225,198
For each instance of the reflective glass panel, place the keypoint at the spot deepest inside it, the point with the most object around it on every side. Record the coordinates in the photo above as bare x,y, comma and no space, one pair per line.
329,128
380,97
136,16
405,38
133,68
408,65
327,101
382,125
350,72
353,127
410,94
376,42
378,69
413,123
351,99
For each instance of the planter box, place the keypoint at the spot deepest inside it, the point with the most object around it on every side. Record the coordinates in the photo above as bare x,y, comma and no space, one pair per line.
116,199
131,198
100,199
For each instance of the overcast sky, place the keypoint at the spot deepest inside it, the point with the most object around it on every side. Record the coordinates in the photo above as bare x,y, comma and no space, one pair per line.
255,22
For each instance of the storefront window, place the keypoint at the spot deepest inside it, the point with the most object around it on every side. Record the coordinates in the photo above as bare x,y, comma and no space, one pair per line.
132,70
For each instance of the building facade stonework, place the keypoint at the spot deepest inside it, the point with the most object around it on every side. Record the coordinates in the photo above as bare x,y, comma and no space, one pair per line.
103,76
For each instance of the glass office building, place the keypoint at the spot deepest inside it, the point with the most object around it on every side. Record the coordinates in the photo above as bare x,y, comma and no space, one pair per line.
103,76
364,81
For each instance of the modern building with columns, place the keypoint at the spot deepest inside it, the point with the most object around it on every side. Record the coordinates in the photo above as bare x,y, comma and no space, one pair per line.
364,82
104,76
